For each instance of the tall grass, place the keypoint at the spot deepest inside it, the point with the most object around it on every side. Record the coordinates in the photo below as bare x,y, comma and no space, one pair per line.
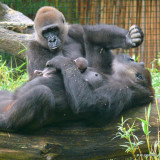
156,75
11,78
156,81
132,143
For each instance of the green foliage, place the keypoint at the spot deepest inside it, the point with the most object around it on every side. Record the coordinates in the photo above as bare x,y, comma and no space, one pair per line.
127,132
132,144
156,75
145,126
156,81
145,123
11,78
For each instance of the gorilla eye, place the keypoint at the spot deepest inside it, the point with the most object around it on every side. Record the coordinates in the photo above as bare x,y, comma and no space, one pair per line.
139,76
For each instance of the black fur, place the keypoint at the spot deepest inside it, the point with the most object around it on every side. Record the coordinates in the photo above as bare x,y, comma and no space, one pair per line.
93,98
43,100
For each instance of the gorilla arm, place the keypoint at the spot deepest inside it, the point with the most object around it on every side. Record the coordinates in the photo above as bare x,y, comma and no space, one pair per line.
111,36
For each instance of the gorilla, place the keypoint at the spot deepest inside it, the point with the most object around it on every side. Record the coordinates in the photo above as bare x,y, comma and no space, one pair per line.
94,89
53,36
61,92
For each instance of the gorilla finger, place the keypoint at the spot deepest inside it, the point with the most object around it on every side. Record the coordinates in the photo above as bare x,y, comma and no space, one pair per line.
133,27
136,35
136,30
136,40
134,45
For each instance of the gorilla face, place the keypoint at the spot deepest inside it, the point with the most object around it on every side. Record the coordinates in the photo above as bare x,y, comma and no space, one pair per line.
51,28
52,37
126,68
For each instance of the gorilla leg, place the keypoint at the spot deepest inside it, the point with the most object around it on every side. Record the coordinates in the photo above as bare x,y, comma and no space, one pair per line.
5,100
32,110
5,94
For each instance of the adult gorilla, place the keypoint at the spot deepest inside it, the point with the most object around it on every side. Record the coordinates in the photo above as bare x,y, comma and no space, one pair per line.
43,100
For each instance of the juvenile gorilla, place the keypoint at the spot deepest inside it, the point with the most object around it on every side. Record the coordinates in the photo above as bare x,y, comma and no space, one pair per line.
44,100
55,37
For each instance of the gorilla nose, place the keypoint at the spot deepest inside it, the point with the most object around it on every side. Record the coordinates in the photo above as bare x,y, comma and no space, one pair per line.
54,39
142,64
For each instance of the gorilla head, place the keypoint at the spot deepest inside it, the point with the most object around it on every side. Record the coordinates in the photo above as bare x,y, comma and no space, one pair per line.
126,68
50,27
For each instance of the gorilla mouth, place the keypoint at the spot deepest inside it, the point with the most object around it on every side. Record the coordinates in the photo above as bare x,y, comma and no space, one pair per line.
53,48
54,42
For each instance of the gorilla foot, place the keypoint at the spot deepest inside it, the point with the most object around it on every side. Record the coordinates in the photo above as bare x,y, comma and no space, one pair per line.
136,35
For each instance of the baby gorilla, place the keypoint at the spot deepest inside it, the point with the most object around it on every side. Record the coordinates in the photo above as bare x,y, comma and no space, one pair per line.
81,63
90,75
93,78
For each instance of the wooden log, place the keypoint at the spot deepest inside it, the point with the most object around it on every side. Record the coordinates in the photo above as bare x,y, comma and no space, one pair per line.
15,31
10,15
14,43
76,141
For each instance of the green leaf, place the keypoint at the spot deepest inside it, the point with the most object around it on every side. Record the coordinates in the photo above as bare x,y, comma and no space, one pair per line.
122,119
144,127
149,111
125,146
143,121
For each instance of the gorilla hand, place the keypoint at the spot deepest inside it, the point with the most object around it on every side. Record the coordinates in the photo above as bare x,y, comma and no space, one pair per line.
134,37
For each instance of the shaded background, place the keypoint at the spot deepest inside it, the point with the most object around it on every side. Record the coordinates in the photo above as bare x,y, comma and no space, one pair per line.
124,13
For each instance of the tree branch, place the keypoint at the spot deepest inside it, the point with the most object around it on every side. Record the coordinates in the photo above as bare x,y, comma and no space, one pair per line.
77,141
15,31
